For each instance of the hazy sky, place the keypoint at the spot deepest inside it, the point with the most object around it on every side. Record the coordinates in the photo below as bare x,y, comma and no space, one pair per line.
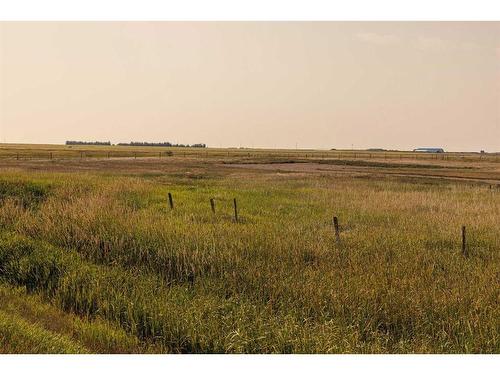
263,84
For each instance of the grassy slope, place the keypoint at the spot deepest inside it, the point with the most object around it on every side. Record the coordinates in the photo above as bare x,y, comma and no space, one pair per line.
30,325
19,336
188,281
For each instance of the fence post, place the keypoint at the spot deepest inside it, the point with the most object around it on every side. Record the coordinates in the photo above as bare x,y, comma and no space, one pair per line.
464,247
336,226
170,201
17,156
235,210
212,205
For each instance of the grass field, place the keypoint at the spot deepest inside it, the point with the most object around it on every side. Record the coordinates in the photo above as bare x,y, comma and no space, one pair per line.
93,259
50,152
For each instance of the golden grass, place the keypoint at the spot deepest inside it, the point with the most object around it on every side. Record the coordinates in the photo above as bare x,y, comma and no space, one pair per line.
104,245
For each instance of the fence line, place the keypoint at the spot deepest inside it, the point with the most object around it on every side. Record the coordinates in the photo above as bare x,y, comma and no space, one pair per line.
19,154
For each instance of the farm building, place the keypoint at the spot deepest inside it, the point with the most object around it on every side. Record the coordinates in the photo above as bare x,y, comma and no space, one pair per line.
429,149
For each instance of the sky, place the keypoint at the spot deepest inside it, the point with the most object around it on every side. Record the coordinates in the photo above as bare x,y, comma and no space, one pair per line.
393,85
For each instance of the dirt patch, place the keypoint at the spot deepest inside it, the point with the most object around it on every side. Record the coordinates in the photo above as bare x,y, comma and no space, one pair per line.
451,174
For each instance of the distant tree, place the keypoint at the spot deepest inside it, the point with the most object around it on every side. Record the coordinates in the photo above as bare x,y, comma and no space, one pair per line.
83,143
161,144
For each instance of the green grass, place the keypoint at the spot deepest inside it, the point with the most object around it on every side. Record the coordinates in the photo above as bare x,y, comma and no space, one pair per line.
28,194
106,251
19,336
86,335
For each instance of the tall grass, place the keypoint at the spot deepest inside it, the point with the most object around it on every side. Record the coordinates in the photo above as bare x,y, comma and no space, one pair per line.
18,336
187,280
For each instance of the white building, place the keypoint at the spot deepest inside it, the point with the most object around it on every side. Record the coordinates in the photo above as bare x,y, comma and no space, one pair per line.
429,149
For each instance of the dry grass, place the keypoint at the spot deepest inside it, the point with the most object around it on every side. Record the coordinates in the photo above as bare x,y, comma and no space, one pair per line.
101,242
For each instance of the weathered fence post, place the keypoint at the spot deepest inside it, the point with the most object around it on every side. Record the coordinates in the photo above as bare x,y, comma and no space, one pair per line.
235,210
336,226
212,205
108,155
51,156
464,247
170,201
17,157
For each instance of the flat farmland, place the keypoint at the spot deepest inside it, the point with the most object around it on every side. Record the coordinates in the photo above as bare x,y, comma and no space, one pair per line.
94,259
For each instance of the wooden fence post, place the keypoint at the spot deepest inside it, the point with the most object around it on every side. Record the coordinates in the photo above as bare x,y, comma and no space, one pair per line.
235,210
212,205
464,247
170,201
336,226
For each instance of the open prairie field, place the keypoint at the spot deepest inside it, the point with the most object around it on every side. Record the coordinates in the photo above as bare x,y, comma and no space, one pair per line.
95,259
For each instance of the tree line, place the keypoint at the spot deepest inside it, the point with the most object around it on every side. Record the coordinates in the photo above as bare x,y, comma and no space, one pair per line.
141,144
80,143
162,144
